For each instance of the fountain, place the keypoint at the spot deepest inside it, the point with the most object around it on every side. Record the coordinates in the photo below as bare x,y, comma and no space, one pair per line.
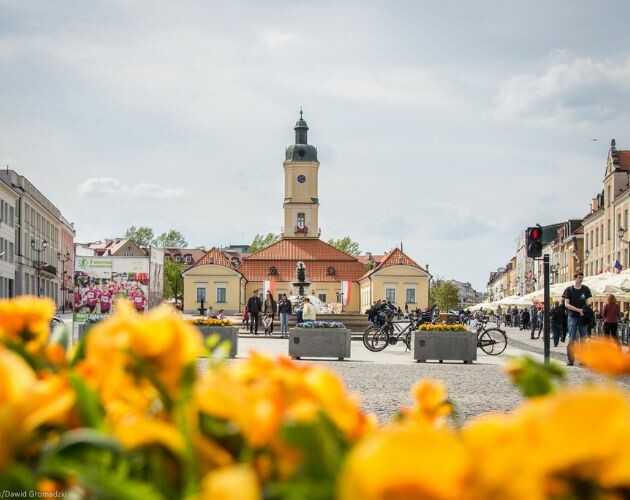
301,282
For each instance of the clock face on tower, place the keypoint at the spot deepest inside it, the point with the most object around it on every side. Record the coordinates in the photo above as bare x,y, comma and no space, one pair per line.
301,179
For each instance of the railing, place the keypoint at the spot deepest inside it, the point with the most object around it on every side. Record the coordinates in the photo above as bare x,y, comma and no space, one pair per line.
301,229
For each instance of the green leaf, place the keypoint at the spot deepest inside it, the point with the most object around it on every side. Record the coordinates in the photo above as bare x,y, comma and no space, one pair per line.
90,410
324,449
534,378
224,432
17,477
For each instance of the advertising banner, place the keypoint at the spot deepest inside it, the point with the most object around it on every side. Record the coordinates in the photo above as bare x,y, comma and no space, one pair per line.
156,277
99,281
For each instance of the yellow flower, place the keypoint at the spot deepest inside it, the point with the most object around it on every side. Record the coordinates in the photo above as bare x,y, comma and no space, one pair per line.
604,356
503,467
405,462
238,482
27,403
160,339
26,319
136,431
431,400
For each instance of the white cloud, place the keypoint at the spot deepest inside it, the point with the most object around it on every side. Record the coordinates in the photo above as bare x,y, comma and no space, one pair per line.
568,95
274,38
107,187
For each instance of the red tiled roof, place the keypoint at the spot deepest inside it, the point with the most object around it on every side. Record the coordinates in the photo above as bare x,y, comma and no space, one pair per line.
363,259
395,258
296,249
195,253
624,159
258,270
216,257
317,256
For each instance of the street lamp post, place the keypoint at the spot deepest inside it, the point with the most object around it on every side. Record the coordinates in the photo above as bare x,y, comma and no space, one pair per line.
63,259
38,266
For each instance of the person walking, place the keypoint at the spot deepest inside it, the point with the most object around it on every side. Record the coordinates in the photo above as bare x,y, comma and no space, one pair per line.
610,314
308,311
577,299
556,316
499,315
270,308
515,317
254,306
284,309
533,320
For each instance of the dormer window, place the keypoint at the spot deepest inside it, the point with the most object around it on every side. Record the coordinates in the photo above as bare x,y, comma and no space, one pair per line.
273,271
178,258
330,271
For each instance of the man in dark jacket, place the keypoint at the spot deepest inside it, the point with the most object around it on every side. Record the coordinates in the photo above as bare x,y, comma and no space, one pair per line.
577,300
254,306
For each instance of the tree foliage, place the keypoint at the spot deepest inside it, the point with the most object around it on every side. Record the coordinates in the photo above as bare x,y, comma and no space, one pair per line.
262,241
173,280
345,245
141,236
444,293
170,239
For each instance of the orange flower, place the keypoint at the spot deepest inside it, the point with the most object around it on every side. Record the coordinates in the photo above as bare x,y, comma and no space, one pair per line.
604,356
26,319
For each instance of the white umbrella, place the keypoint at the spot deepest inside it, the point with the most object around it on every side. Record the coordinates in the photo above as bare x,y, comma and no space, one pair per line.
514,300
486,306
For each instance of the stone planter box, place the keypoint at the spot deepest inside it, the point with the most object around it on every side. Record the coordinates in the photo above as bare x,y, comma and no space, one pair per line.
450,346
225,333
319,343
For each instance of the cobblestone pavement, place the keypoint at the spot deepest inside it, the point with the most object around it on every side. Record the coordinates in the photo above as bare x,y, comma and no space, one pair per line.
383,380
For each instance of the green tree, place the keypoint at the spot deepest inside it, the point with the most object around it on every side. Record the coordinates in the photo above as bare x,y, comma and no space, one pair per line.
262,241
141,236
444,293
346,245
173,280
170,239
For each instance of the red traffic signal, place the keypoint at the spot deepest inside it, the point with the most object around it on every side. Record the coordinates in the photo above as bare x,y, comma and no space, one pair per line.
534,243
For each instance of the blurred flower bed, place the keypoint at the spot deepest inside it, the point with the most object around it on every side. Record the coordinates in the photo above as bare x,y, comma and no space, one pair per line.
127,414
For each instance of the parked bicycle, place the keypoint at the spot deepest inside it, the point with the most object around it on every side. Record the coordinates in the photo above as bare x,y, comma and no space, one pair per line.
492,341
391,330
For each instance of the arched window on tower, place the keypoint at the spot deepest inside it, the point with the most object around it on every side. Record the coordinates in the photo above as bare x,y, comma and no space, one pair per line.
301,223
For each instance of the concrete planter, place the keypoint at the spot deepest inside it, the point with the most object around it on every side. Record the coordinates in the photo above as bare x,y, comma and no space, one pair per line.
449,345
319,343
225,333
83,329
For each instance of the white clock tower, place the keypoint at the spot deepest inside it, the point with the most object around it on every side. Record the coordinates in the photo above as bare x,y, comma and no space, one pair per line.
301,200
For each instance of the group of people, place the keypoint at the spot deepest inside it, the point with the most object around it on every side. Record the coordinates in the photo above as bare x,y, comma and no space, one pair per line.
95,298
572,316
304,311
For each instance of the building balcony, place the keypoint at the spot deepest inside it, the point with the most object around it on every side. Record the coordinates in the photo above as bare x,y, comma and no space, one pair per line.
301,230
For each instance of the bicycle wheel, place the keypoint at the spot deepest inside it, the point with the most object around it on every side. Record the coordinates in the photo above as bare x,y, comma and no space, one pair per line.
493,341
368,337
408,340
380,340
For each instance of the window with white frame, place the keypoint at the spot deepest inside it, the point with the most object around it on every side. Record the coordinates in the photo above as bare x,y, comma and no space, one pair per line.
410,297
201,293
321,295
390,294
221,294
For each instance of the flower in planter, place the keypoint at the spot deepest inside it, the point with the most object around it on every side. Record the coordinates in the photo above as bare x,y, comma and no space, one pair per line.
427,327
210,322
321,324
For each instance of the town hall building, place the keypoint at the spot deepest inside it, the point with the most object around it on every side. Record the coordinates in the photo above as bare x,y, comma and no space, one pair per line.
334,277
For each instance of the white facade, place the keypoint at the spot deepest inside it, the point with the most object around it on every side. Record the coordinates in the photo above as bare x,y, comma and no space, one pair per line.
8,199
36,221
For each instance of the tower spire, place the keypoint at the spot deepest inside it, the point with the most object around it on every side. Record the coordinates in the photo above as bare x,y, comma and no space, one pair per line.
301,130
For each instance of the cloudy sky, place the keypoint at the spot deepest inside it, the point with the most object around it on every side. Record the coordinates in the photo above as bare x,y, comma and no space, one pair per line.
448,125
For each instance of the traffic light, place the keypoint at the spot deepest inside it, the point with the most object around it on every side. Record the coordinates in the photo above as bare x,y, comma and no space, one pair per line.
534,242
